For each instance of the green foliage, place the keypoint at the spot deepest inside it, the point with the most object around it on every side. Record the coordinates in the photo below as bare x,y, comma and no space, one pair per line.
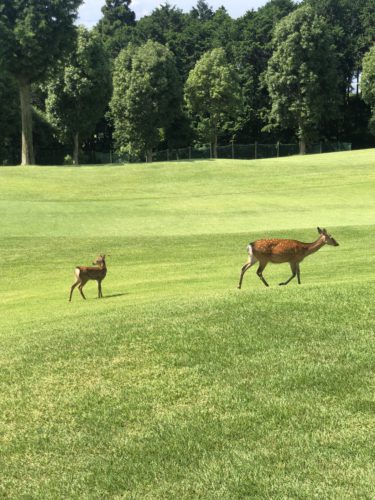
213,95
79,92
202,11
116,25
176,385
251,55
368,83
146,97
352,25
9,116
35,34
301,77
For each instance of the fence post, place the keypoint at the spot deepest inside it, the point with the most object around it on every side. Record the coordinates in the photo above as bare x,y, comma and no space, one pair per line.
210,151
168,154
110,156
255,150
278,148
189,152
320,147
232,149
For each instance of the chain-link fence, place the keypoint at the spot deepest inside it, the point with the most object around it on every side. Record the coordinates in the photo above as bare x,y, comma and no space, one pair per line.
247,151
61,156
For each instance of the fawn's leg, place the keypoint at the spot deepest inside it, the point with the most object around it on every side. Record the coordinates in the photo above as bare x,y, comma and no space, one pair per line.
71,290
83,283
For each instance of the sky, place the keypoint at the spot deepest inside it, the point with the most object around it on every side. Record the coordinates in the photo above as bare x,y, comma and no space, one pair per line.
90,12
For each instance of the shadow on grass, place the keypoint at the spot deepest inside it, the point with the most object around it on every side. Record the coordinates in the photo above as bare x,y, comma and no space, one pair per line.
115,295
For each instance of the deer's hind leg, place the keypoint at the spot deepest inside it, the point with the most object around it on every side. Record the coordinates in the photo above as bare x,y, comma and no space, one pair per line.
83,283
252,260
72,288
261,268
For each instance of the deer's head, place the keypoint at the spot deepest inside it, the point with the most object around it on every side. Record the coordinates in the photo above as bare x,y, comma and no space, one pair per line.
327,238
99,261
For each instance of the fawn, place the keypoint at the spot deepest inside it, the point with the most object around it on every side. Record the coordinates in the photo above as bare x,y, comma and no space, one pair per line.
84,274
279,250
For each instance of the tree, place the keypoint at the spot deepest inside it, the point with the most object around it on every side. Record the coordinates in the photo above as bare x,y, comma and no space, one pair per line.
79,93
35,34
146,96
251,55
116,25
9,117
368,84
352,25
213,95
202,11
302,77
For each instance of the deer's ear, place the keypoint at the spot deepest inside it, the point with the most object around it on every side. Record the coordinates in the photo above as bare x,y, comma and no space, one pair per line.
319,230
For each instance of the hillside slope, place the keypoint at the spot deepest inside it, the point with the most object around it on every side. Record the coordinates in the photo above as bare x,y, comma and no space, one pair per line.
176,384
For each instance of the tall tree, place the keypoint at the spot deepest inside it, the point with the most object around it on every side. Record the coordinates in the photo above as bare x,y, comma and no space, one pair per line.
251,55
116,25
9,118
146,95
368,84
35,34
79,93
202,11
213,96
302,77
352,25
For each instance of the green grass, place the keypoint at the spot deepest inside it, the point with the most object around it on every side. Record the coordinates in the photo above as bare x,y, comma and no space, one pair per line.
176,384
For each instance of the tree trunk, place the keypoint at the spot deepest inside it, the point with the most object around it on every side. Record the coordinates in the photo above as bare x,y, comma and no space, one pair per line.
215,146
302,146
149,155
76,149
28,157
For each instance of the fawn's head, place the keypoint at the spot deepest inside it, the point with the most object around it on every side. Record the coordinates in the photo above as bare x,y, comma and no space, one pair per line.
99,261
328,239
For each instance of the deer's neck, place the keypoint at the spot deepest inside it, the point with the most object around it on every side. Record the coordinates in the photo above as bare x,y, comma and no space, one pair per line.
315,246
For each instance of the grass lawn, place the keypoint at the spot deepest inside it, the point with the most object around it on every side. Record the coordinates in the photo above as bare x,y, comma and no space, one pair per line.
176,384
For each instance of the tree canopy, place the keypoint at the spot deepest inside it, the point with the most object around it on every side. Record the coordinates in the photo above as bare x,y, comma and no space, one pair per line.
297,64
34,35
79,92
301,77
146,96
368,83
213,96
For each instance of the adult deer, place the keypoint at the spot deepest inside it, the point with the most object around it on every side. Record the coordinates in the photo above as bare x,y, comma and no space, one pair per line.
84,274
279,250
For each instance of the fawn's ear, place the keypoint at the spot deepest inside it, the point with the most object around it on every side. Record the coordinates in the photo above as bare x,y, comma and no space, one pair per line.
319,230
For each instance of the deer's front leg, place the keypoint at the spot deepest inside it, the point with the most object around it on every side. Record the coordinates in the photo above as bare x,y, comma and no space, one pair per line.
293,267
298,275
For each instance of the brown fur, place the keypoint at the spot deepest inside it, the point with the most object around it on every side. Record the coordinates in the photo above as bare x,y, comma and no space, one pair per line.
84,274
279,250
